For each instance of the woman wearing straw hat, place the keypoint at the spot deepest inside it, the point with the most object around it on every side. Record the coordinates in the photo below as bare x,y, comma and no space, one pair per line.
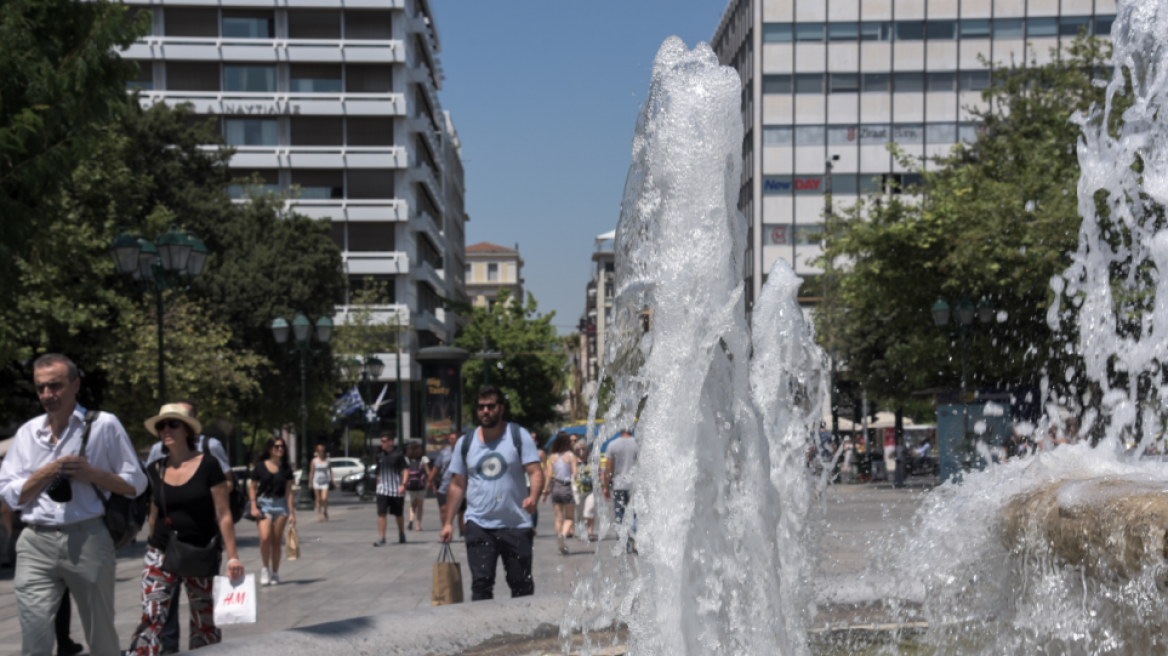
271,487
189,504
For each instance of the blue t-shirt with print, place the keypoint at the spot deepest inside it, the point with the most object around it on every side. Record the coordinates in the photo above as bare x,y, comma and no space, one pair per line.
496,486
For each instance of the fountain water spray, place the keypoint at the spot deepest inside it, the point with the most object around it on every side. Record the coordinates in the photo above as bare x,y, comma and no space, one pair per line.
725,415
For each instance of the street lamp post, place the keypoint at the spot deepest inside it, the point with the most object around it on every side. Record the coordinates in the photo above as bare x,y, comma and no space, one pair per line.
148,266
301,329
964,310
365,372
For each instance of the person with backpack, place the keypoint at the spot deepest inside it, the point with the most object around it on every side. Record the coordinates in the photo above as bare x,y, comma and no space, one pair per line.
417,480
62,497
441,479
488,469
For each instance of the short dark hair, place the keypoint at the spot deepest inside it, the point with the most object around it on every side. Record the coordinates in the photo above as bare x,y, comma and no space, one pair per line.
386,435
190,404
50,359
492,391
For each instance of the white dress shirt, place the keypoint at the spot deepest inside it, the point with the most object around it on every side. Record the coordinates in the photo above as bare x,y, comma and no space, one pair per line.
109,450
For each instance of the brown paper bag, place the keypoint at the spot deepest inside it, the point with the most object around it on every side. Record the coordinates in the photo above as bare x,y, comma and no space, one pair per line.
447,585
292,543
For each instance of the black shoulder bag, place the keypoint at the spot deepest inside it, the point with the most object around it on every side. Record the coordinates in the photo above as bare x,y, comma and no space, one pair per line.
181,558
124,516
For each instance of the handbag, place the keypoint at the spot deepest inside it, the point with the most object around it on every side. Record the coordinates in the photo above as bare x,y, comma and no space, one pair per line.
124,516
182,559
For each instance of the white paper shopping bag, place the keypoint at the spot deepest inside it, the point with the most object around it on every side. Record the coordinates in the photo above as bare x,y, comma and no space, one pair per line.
235,601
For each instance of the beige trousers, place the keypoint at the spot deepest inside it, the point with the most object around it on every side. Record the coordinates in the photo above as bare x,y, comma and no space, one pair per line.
80,556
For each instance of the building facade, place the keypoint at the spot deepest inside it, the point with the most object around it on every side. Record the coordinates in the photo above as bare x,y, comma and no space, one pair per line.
490,267
828,83
340,99
599,294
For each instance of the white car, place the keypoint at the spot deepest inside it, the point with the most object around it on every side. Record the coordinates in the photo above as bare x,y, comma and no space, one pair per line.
342,467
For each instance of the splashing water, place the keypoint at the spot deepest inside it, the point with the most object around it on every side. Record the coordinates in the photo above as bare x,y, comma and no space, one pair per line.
721,498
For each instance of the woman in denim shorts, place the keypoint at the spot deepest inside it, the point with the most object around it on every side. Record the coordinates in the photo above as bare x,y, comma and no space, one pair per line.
271,488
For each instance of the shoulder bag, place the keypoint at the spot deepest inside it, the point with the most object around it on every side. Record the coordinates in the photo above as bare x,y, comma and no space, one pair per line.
181,558
124,516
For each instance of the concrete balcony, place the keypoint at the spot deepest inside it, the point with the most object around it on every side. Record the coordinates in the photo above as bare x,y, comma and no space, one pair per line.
435,323
424,223
394,314
265,104
352,210
292,4
320,157
266,50
375,262
424,272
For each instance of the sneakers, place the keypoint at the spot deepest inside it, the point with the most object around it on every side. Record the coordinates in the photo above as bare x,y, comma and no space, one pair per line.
379,542
411,525
401,537
275,578
563,547
265,576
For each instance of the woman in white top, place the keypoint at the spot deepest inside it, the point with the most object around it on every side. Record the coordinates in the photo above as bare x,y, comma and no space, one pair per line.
321,475
559,473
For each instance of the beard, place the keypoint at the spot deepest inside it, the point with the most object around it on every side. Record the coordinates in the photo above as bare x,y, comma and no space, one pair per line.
492,422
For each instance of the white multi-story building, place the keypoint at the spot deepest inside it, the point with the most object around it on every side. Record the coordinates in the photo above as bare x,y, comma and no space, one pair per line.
340,98
836,80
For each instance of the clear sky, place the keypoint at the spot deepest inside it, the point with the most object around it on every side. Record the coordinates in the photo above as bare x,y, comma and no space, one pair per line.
545,96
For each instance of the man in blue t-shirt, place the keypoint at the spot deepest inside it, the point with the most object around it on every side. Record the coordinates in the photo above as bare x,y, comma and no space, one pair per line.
489,471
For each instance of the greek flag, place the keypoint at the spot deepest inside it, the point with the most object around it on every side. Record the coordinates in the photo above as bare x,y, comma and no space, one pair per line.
349,403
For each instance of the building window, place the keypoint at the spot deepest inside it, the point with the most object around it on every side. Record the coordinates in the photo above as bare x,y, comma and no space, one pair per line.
970,132
315,78
776,84
843,31
940,82
337,233
778,135
941,30
426,204
239,24
372,236
144,80
910,30
1103,25
908,82
468,271
314,24
368,25
909,134
192,76
1041,27
1073,26
941,133
874,135
492,272
317,131
265,181
874,82
428,253
132,14
876,31
777,33
844,82
369,130
973,80
975,29
251,79
810,135
319,184
370,183
808,234
191,22
809,32
842,135
252,131
368,78
809,83
1009,28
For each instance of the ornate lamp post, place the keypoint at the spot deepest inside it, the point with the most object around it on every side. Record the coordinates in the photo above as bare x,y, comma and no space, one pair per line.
366,372
301,329
178,256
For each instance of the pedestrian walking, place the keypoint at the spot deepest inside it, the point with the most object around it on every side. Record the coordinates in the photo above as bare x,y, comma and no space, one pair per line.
416,481
583,489
65,542
271,488
488,469
622,455
527,477
321,474
559,474
213,447
442,466
391,489
189,504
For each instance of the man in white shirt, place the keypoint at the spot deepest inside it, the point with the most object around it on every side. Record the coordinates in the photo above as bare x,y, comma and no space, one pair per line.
66,542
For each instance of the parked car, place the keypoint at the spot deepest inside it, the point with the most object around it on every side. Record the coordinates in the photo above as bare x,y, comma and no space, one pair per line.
342,467
353,483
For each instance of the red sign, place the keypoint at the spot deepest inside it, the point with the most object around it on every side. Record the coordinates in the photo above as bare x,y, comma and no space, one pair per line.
807,184
779,235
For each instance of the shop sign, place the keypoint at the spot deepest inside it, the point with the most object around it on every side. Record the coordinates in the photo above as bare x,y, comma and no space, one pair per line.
776,234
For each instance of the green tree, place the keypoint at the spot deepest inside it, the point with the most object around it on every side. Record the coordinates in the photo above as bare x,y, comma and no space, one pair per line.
994,219
531,368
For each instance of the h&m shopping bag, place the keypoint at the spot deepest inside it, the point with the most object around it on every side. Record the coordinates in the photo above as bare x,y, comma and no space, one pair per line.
447,585
235,601
292,543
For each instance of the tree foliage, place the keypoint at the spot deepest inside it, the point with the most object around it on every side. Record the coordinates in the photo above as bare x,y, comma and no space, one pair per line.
531,367
993,220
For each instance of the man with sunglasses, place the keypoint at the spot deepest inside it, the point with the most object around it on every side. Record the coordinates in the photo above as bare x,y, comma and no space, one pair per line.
488,468
56,490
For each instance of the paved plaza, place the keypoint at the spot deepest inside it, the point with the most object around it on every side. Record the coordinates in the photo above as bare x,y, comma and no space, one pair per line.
340,575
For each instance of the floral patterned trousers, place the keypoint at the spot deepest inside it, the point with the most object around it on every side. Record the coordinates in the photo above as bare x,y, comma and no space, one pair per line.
158,588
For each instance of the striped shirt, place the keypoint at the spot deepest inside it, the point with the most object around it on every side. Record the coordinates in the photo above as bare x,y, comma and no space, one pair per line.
389,473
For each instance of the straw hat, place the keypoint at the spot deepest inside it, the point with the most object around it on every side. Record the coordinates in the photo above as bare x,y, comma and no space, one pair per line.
175,411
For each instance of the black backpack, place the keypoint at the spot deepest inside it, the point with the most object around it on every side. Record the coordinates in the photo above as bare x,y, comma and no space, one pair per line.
466,439
124,516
